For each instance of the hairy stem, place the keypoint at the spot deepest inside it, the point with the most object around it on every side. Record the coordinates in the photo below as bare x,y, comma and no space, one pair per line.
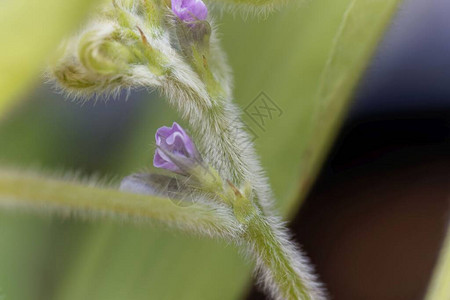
286,274
228,147
37,193
285,271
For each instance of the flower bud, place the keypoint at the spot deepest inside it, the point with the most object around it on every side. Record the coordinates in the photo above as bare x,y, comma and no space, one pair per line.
101,54
189,10
154,184
175,150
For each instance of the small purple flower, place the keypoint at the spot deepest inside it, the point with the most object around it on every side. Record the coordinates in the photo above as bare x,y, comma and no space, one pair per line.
174,149
190,10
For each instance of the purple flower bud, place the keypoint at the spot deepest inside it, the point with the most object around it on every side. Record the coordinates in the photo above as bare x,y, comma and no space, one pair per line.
175,149
190,10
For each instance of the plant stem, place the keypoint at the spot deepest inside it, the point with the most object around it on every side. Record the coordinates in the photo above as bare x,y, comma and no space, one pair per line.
285,270
31,191
227,147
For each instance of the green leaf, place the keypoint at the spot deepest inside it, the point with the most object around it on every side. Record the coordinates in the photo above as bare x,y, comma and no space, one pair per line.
439,287
307,59
30,30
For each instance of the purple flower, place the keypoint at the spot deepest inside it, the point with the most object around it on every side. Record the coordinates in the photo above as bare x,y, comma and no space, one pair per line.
175,149
189,10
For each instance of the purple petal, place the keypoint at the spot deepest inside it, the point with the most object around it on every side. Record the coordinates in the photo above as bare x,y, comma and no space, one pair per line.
174,141
164,131
190,146
189,10
163,162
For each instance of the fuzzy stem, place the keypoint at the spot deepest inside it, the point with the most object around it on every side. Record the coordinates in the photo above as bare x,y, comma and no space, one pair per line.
30,191
285,272
229,149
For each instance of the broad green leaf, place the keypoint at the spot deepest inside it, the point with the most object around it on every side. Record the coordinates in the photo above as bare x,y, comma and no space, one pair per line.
307,59
29,31
308,62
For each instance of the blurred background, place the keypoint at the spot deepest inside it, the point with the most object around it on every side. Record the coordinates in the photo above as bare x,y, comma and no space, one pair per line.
372,223
379,210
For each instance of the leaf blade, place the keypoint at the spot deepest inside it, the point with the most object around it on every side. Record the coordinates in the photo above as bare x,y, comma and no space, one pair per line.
439,287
